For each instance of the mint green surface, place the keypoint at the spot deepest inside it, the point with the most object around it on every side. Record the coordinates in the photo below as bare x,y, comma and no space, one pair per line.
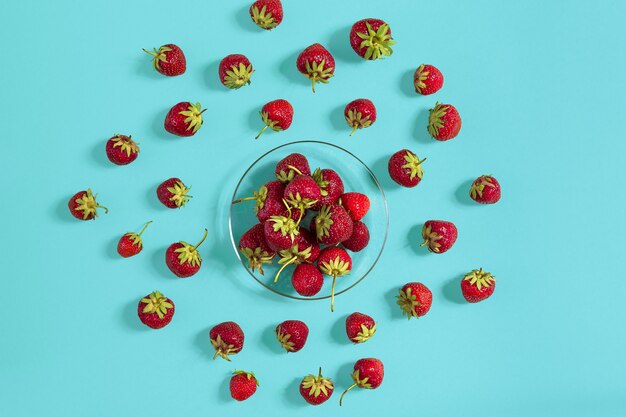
540,86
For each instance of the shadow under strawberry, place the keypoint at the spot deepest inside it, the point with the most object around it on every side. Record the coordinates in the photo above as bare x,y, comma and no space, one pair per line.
129,319
288,69
111,248
381,170
414,239
99,156
60,211
158,262
462,194
391,298
244,21
338,332
158,125
203,344
269,340
451,290
211,77
406,84
292,393
420,131
338,120
339,45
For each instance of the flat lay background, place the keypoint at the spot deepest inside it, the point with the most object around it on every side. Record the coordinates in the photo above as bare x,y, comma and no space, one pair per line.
540,88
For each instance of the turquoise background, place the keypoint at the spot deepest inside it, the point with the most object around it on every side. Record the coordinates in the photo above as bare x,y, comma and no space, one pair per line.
540,86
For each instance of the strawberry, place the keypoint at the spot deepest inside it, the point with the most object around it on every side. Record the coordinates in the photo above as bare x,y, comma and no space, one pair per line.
302,193
331,187
277,115
439,235
121,150
155,310
478,285
169,60
131,244
359,114
184,119
267,14
371,39
183,259
173,193
292,334
335,262
280,232
415,299
356,204
405,168
235,71
317,64
360,327
368,373
227,339
290,166
485,190
243,385
307,280
359,239
427,80
332,225
315,389
269,201
83,205
303,249
253,246
444,122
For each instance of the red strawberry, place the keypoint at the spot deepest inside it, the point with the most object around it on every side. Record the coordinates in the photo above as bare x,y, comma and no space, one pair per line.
243,385
405,168
359,114
359,239
290,166
485,190
335,262
173,193
121,150
332,225
307,280
315,389
83,205
280,232
356,204
317,64
444,122
235,71
415,299
427,80
304,249
183,259
253,246
130,244
227,339
276,115
267,14
368,373
371,39
360,327
292,334
155,310
478,285
184,119
302,192
169,60
439,235
331,187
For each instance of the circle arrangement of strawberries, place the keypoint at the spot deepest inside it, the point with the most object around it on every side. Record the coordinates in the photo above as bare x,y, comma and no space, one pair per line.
281,205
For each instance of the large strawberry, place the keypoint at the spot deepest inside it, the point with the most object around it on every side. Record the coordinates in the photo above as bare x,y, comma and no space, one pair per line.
356,204
359,114
478,285
368,373
439,235
292,165
302,193
173,193
444,122
183,259
427,80
331,187
184,119
303,249
121,150
253,246
243,385
267,14
227,339
332,225
307,280
405,168
360,327
155,310
317,64
359,239
280,232
130,244
315,389
415,299
335,262
371,39
235,71
83,205
292,335
485,190
169,60
277,115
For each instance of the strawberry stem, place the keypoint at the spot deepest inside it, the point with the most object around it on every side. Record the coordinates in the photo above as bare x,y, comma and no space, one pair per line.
144,227
206,232
313,83
291,167
332,296
292,260
261,132
106,210
344,393
243,199
149,52
354,128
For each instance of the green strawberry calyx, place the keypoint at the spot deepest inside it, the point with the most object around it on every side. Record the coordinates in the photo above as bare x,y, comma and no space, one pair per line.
358,382
479,185
335,268
408,303
365,334
156,303
300,203
420,77
256,258
318,385
480,278
317,73
273,124
430,239
283,339
258,196
189,254
158,56
413,165
249,375
323,222
435,119
125,143
285,225
193,116
356,120
238,76
88,205
222,348
378,43
179,193
136,237
263,18
292,256
318,177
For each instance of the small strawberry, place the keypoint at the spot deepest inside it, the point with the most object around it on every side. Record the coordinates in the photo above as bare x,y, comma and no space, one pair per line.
371,39
253,246
267,14
359,239
155,310
415,299
121,150
227,339
359,114
173,193
304,249
317,64
307,280
315,389
131,244
183,259
290,166
427,80
302,193
478,285
83,205
368,373
439,235
292,334
331,187
243,385
485,190
235,71
335,262
332,225
444,122
356,204
184,119
168,60
277,115
405,168
280,232
360,327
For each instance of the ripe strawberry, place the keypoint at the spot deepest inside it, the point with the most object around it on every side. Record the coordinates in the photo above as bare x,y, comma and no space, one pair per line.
169,60
235,71
368,373
121,150
302,192
184,119
478,285
130,244
227,339
307,280
83,205
243,385
371,39
277,115
331,187
444,122
253,246
315,389
332,225
280,232
317,64
359,239
359,114
267,14
292,334
360,327
292,165
485,190
183,259
303,249
439,235
335,262
405,168
155,310
415,299
427,80
173,193
356,204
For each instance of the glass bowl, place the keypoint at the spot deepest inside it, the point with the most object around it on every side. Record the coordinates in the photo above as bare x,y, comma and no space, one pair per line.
356,176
